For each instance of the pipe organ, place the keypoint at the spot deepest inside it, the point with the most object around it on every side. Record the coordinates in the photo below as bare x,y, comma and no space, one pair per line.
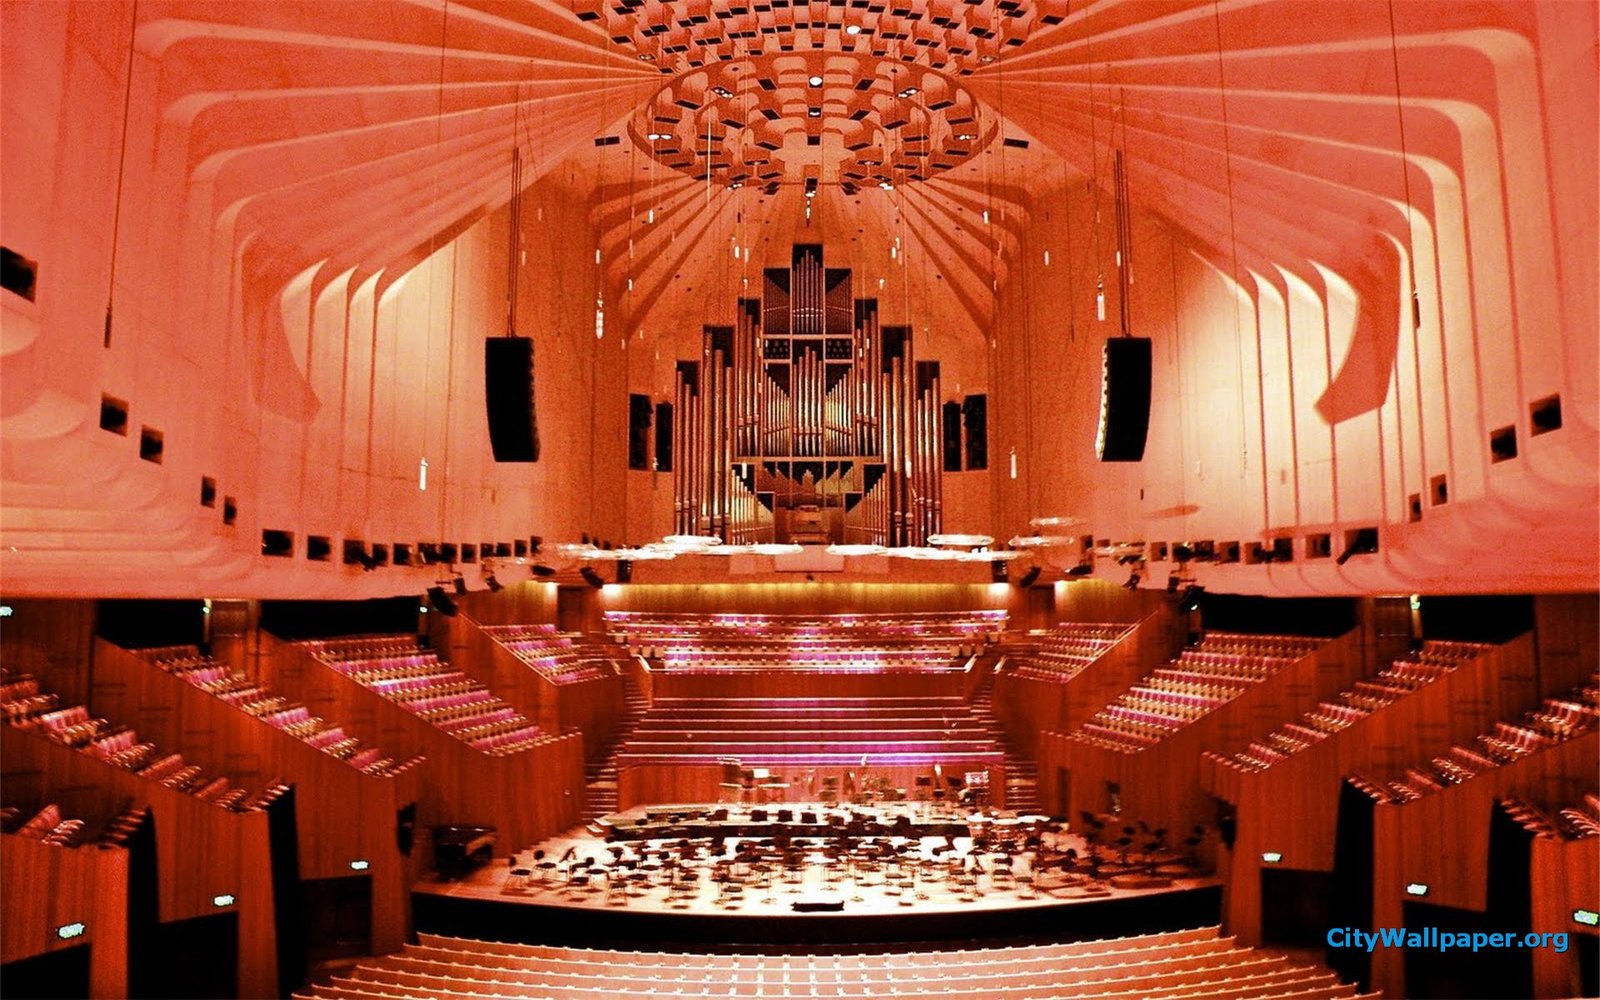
807,420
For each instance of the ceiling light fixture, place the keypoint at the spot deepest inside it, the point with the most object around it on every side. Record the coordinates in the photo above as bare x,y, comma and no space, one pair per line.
814,112
852,29
646,57
815,81
659,136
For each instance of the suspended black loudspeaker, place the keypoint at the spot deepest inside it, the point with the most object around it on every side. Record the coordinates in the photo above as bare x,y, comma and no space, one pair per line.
1124,400
1029,577
508,394
592,578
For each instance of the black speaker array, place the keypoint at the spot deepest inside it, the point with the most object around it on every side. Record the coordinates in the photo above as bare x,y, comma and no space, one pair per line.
975,417
639,413
952,436
508,394
1124,400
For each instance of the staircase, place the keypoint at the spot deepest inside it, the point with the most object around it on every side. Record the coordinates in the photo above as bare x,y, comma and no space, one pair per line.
600,770
1022,774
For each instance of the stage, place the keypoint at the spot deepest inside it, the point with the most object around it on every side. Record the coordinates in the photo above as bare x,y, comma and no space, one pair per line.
908,875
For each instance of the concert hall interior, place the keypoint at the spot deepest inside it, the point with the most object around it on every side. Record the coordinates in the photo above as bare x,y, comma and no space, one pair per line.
799,498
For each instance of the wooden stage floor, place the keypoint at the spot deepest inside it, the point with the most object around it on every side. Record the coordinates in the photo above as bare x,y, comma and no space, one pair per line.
812,905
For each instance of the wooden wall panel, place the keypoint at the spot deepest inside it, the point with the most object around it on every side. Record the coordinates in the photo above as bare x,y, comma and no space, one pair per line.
342,814
1161,785
1567,631
1442,839
527,796
44,888
1565,876
51,638
202,851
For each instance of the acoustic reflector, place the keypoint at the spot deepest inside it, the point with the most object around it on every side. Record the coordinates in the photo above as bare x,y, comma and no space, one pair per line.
508,395
1124,400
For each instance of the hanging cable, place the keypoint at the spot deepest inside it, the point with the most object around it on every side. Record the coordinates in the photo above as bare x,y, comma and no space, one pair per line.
122,167
1405,176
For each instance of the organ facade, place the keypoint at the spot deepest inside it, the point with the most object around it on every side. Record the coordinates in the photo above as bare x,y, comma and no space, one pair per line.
809,420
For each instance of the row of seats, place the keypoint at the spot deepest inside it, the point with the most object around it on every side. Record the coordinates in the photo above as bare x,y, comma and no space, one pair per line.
555,655
1403,677
1578,822
1201,680
919,643
1181,964
188,664
808,731
1553,723
27,707
49,826
400,670
1061,653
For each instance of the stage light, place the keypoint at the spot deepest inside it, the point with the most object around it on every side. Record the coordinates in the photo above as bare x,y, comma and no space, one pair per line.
441,600
1182,553
1133,581
592,578
460,585
1082,569
495,586
1362,541
1030,577
1172,584
1190,598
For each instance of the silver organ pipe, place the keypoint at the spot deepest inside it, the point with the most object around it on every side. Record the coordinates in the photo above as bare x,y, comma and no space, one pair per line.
768,441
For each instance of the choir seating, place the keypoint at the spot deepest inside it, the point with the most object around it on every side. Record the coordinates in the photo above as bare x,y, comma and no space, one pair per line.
417,680
1190,964
731,643
560,658
1201,680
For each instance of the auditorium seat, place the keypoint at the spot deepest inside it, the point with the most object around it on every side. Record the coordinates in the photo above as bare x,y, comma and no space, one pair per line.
1194,963
1059,654
402,671
1433,661
216,679
121,747
560,658
1201,680
1554,723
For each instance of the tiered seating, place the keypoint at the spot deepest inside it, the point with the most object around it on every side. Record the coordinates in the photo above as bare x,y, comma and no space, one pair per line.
1180,964
27,707
48,826
1555,722
399,669
188,664
1404,677
1201,680
808,731
727,643
555,655
1581,821
1066,649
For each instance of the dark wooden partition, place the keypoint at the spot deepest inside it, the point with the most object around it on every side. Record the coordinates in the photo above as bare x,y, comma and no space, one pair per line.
1442,841
1161,784
208,859
343,815
47,888
526,796
1291,808
1031,706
